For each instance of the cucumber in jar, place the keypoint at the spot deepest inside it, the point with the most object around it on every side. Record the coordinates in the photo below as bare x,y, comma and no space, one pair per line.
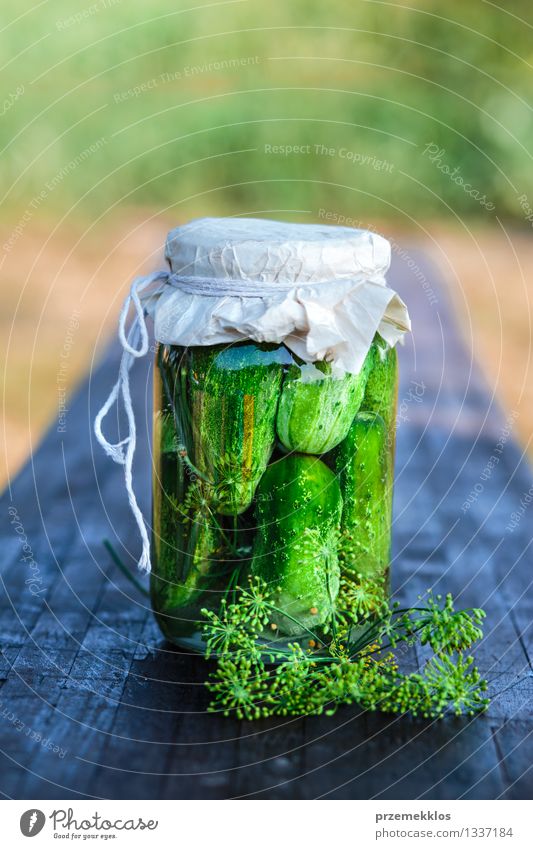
200,561
298,512
365,476
382,384
381,399
168,489
317,407
185,540
233,397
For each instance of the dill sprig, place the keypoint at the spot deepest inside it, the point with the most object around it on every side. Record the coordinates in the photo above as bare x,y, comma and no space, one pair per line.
351,661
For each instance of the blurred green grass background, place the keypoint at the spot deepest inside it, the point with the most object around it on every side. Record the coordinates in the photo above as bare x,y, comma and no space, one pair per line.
172,96
120,119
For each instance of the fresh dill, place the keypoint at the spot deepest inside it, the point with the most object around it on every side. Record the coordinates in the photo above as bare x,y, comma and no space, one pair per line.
353,660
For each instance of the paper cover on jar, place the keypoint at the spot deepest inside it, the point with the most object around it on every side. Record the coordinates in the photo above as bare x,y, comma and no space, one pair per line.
319,289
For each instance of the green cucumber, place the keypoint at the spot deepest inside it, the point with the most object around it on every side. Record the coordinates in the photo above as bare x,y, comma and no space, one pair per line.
365,476
381,396
298,512
382,384
198,563
185,543
168,489
233,398
316,408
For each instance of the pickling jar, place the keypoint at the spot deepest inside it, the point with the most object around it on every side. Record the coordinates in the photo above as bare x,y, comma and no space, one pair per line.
275,385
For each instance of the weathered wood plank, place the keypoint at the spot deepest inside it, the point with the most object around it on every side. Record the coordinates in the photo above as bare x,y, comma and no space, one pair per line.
391,758
514,743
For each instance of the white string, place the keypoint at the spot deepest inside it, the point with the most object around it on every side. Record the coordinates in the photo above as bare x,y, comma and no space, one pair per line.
224,286
132,350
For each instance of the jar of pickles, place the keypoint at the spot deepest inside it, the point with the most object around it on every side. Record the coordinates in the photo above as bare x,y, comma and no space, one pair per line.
275,387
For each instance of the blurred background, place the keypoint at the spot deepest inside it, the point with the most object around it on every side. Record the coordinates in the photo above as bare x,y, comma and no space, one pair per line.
121,119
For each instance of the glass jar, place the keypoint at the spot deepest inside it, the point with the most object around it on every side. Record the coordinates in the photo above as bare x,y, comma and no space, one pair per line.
275,393
267,466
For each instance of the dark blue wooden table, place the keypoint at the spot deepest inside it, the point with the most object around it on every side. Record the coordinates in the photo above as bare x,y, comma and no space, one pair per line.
93,703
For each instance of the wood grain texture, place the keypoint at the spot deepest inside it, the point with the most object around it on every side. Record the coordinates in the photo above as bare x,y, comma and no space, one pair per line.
84,669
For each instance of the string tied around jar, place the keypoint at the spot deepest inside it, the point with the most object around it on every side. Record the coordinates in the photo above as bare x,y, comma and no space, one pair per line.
135,344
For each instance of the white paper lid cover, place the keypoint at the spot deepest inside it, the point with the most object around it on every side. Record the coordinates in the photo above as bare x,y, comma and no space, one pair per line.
274,251
318,289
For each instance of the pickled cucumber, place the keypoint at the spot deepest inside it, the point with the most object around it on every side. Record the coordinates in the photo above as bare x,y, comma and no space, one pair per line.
298,512
198,563
382,385
365,477
185,543
168,489
316,408
381,398
233,398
